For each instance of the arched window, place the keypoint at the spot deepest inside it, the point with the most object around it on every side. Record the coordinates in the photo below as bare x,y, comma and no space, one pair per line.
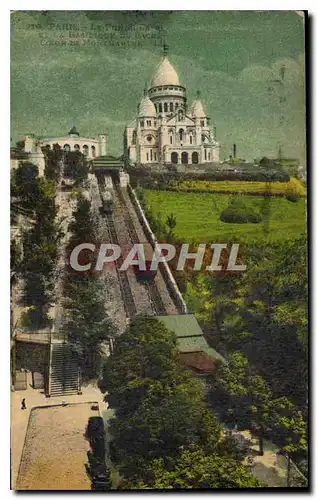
191,138
184,158
181,134
93,151
67,148
180,115
147,157
165,107
170,138
151,155
85,149
195,158
142,123
76,147
160,107
209,156
174,157
134,137
171,106
205,154
155,155
176,106
204,138
202,123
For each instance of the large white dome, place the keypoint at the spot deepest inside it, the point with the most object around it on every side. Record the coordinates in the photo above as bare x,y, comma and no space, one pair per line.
165,74
147,107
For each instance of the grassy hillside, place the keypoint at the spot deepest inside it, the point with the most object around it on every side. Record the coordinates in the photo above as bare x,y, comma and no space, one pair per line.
198,217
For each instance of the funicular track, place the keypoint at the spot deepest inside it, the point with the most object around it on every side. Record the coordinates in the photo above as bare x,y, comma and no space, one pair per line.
151,287
127,296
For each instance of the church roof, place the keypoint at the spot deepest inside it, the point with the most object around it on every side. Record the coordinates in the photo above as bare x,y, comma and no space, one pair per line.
165,74
73,131
197,109
147,107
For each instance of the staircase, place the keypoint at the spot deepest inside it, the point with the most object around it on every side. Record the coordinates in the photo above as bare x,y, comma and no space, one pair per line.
65,372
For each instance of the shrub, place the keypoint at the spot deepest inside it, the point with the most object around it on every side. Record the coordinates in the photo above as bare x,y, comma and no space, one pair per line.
237,212
95,435
292,194
292,197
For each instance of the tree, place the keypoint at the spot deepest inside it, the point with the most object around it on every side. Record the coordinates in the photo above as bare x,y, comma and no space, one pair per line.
76,167
171,222
194,469
169,416
290,431
40,245
25,185
243,396
160,407
86,322
53,162
82,227
145,352
261,312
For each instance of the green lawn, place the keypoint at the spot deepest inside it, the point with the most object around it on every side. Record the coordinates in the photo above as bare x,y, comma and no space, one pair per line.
198,217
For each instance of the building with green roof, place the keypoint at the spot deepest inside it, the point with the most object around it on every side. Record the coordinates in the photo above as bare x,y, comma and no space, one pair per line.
194,350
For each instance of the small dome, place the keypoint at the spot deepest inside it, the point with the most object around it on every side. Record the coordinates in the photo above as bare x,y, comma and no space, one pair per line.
165,74
147,107
73,131
197,109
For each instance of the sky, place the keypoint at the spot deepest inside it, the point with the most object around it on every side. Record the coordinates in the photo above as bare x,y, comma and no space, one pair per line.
89,69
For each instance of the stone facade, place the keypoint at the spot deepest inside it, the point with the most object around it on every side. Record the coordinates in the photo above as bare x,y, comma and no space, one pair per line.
167,130
90,147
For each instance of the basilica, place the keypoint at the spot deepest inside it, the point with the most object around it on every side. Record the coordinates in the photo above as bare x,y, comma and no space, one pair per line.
167,130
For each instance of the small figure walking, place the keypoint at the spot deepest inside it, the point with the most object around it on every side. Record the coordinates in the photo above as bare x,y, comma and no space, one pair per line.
23,405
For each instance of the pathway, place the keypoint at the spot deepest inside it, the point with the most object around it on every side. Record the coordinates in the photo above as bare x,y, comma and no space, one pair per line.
33,398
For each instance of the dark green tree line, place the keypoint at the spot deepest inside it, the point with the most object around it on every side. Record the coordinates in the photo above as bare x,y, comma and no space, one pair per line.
86,322
161,412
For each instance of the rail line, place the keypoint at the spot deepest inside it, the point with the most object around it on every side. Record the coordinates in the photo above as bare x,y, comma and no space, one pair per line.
151,287
125,289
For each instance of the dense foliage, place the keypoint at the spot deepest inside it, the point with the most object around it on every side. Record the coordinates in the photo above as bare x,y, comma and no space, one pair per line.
167,177
162,414
34,198
193,469
53,162
86,321
75,167
258,320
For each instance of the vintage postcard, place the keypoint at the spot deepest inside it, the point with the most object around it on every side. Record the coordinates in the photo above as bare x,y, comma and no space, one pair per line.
159,336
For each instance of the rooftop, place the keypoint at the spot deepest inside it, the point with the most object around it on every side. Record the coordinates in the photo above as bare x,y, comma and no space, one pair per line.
200,362
73,131
165,74
189,335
